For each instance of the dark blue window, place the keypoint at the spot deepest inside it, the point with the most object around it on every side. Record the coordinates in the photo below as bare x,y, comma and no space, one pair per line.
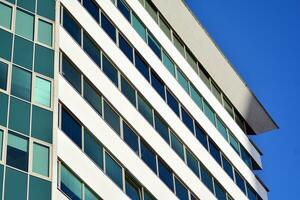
162,128
148,156
124,9
214,151
227,167
240,181
91,49
158,84
71,73
173,103
90,94
92,8
108,27
93,148
206,178
251,193
165,174
145,109
112,118
192,162
220,193
246,157
133,189
131,138
110,70
128,91
125,48
153,44
71,127
201,136
141,65
113,170
187,120
3,75
71,26
181,191
177,146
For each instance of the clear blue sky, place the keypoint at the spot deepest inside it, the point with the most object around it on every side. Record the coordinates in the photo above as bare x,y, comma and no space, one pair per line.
261,38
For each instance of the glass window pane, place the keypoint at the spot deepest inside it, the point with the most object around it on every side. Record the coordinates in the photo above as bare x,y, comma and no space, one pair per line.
227,167
71,26
92,8
93,148
139,27
39,189
201,136
40,161
91,48
27,4
220,192
246,157
3,109
239,120
5,15
161,127
165,174
173,103
192,162
148,196
222,128
44,61
181,191
165,27
1,144
125,48
178,44
42,92
191,60
141,65
240,181
15,179
110,70
23,52
145,109
92,97
124,9
148,156
6,44
187,120
234,143
42,123
209,112
112,118
158,85
196,97
3,75
70,184
154,45
128,91
71,127
131,138
70,72
215,152
17,151
133,189
204,75
19,116
108,27
46,8
177,146
45,32
24,24
168,63
216,92
228,106
89,194
1,178
183,81
151,10
251,193
206,178
113,170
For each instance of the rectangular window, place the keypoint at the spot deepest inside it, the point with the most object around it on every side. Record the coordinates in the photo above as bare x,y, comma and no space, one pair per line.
209,112
110,71
39,189
141,65
92,97
165,27
27,4
131,138
154,45
191,60
126,48
165,174
71,26
192,162
42,92
6,44
23,52
161,127
45,33
239,120
220,192
46,8
70,72
187,120
5,15
196,97
40,162
133,189
24,24
222,128
90,47
251,193
124,9
3,109
1,143
228,106
168,63
206,178
240,181
151,10
92,8
113,170
215,152
181,191
177,146
246,157
108,27
145,109
216,92
70,184
89,194
128,91
148,156
178,44
183,81
204,75
234,143
3,75
173,103
139,27
15,179
111,117
227,167
44,61
93,148
158,85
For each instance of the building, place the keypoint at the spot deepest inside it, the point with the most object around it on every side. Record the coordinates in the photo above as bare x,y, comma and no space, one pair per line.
122,99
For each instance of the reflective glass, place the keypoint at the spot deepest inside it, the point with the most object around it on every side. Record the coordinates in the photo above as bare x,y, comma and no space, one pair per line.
251,193
154,45
123,9
178,44
191,60
91,49
221,127
112,118
70,184
227,167
45,32
23,52
71,26
181,191
177,146
240,181
209,112
173,103
139,27
91,95
165,174
1,144
151,10
108,27
125,48
145,109
44,61
246,157
3,109
6,44
158,85
42,92
220,192
113,170
196,97
215,152
165,27
148,156
216,92
131,138
161,127
110,70
92,8
89,194
234,143
141,65
93,148
46,8
168,63
70,72
206,178
133,189
40,161
24,24
128,91
192,162
39,189
183,81
3,75
15,185
5,15
187,120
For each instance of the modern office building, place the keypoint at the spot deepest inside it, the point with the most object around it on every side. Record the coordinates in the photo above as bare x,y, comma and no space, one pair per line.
122,99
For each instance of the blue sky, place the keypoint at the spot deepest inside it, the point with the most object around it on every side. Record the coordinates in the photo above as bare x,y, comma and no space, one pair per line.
261,38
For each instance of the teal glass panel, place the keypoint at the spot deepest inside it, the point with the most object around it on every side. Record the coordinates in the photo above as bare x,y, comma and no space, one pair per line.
168,63
42,91
89,194
21,83
112,118
209,112
145,109
161,127
3,75
5,15
234,143
23,52
151,10
220,192
196,97
44,61
25,24
93,148
128,91
42,123
3,109
113,170
177,146
12,1
40,161
39,189
1,178
45,32
6,44
70,184
222,128
15,185
27,4
192,162
138,26
91,96
19,115
1,143
206,178
183,81
46,8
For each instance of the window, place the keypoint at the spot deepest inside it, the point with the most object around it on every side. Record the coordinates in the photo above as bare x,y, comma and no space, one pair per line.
154,45
15,179
123,9
221,128
214,151
92,8
27,4
6,44
110,71
216,92
3,109
70,184
173,103
191,60
138,26
71,127
220,193
40,162
46,8
17,151
240,181
3,75
141,66
158,85
161,127
228,106
148,156
23,52
42,92
133,190
39,189
239,120
183,81
24,24
187,120
209,112
178,44
71,73
44,61
168,63
108,27
45,32
151,10
192,162
234,143
246,157
92,97
145,109
89,194
177,146
5,15
91,48
71,26
125,48
227,167
128,91
1,144
148,196
131,138
113,170
112,118
251,193
197,98
165,174
181,191
93,148
165,27
206,178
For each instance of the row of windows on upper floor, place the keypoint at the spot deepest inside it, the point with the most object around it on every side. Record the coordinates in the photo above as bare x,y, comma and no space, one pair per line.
93,97
75,31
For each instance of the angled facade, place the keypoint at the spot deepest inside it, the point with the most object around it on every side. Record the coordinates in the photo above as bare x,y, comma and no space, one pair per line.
122,99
